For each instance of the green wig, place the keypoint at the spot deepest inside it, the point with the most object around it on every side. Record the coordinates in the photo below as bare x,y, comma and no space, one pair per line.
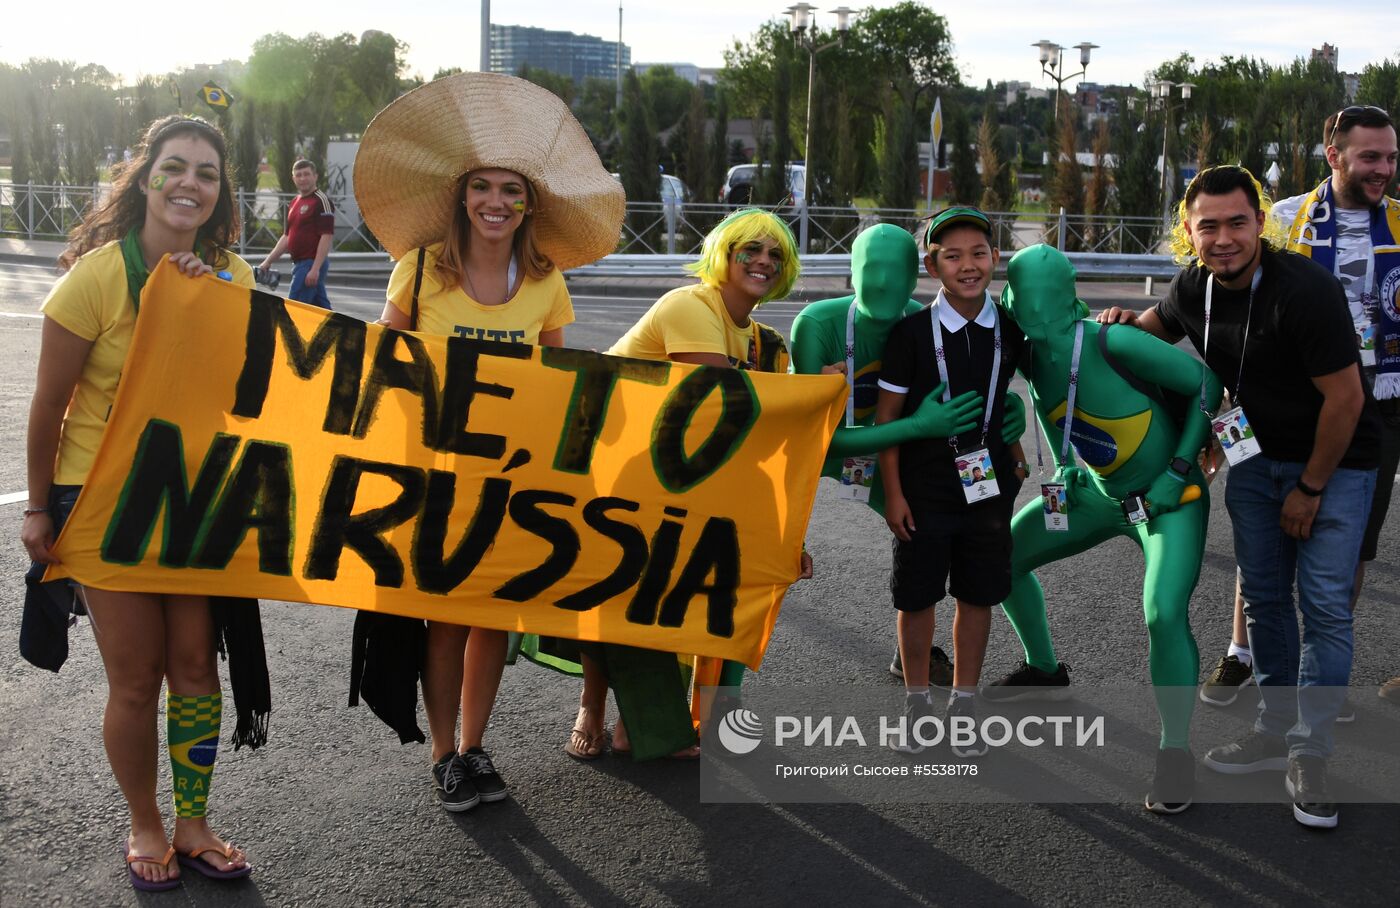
747,225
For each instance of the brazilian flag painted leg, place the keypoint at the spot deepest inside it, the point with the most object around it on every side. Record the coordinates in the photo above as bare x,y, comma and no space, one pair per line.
192,734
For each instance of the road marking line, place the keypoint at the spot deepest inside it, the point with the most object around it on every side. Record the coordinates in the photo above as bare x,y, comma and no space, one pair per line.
21,315
13,497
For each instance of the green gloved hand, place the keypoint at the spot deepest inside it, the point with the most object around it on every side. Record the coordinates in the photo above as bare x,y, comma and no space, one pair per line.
935,419
1013,419
1073,478
1165,494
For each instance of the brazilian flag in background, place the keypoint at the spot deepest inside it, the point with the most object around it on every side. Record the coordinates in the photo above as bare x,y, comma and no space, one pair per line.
215,96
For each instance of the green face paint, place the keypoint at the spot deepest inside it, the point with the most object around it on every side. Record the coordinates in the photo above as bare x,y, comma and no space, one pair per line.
518,205
158,182
743,258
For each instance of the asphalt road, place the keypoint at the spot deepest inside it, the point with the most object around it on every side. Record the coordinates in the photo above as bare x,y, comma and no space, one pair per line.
335,812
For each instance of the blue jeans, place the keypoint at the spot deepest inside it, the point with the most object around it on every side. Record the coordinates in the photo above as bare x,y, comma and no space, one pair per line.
316,296
1300,690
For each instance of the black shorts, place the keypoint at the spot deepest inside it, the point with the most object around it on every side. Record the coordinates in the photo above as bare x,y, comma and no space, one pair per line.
966,554
1385,476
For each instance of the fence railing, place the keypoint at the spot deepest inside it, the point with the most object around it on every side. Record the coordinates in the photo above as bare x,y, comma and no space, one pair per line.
650,228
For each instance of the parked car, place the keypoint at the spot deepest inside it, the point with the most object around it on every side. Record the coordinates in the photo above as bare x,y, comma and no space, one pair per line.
674,192
737,188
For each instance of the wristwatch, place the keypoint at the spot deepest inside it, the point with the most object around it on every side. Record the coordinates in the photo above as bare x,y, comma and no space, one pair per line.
1180,466
1307,489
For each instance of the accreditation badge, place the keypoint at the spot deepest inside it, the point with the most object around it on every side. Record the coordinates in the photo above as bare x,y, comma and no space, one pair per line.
979,479
1366,342
1236,436
857,476
1055,505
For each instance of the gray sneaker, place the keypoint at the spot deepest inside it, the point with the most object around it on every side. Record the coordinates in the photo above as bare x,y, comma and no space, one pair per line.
453,785
1307,786
960,708
916,707
1255,752
940,668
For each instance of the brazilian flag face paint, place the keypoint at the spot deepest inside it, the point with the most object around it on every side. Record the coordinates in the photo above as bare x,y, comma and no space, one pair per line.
158,182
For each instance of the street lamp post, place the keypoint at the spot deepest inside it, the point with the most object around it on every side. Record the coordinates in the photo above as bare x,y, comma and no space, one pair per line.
1162,91
804,33
1052,64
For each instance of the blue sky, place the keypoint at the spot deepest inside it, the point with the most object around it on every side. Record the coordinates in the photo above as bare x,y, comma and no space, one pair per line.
992,39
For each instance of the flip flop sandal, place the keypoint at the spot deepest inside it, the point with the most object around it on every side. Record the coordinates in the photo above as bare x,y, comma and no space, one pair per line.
585,749
191,860
144,885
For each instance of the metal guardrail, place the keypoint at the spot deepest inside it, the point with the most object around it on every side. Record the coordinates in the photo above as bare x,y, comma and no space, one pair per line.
657,238
1097,265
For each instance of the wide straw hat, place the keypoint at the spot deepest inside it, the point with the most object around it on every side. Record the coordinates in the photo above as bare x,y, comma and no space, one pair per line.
416,149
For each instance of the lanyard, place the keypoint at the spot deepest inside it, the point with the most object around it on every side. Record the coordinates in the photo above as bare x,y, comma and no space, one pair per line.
1244,343
1069,400
851,365
943,363
1072,393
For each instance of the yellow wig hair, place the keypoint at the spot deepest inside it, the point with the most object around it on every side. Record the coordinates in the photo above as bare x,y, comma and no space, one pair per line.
747,225
1275,235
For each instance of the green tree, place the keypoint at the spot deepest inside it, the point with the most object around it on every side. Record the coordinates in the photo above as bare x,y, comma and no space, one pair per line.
718,150
992,166
560,85
638,164
962,165
1380,85
1135,177
667,95
1096,193
246,146
771,188
1067,180
898,168
694,162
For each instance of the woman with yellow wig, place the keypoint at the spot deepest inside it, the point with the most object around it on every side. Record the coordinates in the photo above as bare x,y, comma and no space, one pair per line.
748,259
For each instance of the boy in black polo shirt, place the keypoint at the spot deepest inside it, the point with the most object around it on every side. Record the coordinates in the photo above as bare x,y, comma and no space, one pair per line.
949,500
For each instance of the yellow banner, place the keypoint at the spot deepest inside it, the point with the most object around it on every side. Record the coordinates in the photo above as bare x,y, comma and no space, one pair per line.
270,449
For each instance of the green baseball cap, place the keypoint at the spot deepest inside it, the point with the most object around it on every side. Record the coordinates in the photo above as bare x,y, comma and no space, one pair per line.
951,217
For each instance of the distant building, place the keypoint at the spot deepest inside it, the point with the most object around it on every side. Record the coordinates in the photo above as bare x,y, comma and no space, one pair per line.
687,71
709,75
576,56
1098,101
1352,84
1014,90
1326,53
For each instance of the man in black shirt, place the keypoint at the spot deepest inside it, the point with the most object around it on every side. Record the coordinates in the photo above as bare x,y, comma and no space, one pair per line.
1277,330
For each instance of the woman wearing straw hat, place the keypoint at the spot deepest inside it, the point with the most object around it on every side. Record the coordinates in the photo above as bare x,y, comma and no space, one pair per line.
484,188
173,199
750,257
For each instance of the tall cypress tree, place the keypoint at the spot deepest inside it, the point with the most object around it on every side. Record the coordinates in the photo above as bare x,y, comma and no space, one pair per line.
641,175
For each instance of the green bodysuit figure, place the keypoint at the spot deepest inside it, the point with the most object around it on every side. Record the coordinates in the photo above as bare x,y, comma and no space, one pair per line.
1131,445
884,271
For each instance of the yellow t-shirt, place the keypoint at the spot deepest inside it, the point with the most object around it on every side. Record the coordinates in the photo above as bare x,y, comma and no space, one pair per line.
539,305
93,302
686,320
